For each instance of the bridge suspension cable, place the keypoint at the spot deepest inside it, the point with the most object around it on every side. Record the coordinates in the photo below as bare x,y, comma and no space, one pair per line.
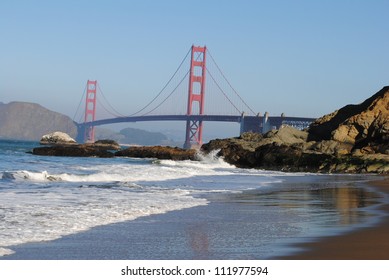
114,112
170,94
225,95
79,106
161,91
236,93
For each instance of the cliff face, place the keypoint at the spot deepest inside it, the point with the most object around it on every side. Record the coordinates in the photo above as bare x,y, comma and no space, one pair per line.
364,126
353,139
29,121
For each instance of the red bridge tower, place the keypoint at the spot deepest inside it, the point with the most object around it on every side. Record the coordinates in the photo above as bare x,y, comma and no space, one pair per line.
90,110
196,93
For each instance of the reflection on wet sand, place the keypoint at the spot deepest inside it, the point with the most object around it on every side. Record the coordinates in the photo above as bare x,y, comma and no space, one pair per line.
345,201
198,241
325,207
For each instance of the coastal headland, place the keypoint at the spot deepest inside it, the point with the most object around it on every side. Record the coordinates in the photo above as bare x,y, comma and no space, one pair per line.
353,139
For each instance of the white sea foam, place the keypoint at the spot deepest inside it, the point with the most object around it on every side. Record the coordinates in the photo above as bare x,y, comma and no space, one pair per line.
47,215
82,196
71,195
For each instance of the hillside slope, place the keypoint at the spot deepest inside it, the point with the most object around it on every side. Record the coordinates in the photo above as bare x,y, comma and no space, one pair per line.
29,121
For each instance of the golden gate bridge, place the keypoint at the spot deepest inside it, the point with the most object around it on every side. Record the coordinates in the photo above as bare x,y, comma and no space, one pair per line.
196,95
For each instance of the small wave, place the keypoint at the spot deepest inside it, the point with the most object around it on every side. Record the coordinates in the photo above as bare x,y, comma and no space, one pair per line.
205,161
8,176
51,215
30,176
211,157
5,251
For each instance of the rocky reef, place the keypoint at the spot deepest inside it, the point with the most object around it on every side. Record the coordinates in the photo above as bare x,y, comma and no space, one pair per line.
61,144
353,139
160,152
77,150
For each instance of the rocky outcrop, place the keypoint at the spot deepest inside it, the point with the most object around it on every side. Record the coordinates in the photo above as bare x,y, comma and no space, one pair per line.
105,149
363,127
78,150
61,144
159,152
106,144
353,139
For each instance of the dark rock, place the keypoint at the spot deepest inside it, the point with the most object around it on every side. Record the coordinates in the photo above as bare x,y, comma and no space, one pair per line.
107,144
78,150
159,152
354,139
238,151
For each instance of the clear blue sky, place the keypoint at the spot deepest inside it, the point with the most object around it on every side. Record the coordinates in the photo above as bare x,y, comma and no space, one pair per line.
303,57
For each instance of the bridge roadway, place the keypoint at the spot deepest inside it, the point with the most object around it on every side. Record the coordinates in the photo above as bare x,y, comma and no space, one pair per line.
260,124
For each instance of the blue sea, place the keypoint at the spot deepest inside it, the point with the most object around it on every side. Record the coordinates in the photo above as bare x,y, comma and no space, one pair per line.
48,198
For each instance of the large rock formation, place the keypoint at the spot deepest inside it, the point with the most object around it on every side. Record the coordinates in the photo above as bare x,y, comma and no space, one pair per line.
353,139
363,127
29,121
61,144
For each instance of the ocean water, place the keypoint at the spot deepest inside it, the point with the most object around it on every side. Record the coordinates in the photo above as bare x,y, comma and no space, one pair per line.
46,198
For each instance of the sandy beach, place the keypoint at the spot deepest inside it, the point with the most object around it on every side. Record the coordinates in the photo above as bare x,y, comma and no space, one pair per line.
370,243
230,227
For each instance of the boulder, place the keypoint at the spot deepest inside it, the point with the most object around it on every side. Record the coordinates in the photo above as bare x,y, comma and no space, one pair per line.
57,138
107,144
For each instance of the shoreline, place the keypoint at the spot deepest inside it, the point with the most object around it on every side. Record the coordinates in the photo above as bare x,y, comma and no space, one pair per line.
190,234
365,243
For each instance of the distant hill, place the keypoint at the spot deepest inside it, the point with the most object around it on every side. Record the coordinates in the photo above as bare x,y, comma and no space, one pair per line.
29,121
138,136
134,136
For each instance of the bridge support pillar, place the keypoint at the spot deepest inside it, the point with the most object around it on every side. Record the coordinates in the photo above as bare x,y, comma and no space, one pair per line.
90,111
196,93
266,125
251,124
80,138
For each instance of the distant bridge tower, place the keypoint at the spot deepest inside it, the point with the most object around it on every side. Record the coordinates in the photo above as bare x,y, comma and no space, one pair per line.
196,93
90,110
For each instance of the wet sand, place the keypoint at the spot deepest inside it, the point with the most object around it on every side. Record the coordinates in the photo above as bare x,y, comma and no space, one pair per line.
243,226
370,243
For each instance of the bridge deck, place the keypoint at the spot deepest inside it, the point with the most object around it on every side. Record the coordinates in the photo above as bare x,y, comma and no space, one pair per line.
212,118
